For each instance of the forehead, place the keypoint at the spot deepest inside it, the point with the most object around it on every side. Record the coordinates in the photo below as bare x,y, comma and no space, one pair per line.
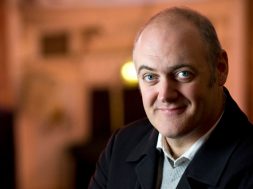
158,37
168,29
162,44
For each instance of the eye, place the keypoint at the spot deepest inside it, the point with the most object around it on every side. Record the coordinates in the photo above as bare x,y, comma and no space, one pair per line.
184,76
150,77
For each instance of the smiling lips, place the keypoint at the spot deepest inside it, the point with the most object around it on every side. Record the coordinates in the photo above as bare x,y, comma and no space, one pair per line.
172,110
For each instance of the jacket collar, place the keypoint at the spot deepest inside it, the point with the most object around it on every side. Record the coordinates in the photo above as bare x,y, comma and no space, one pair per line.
145,156
209,163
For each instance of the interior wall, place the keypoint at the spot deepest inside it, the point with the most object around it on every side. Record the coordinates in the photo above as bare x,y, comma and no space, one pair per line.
5,90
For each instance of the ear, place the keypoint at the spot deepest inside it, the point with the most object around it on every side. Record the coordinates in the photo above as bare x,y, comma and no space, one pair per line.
222,68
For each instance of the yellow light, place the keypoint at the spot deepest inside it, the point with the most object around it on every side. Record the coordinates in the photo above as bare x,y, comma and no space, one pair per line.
128,73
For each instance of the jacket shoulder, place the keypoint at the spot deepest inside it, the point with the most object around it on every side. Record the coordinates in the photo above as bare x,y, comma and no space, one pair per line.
136,128
133,133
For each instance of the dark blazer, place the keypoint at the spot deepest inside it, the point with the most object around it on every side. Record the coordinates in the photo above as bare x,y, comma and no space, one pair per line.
131,161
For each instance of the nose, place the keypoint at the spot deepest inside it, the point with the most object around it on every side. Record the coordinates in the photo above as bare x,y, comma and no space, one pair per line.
167,90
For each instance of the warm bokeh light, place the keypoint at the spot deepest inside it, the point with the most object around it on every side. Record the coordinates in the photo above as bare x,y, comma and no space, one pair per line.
128,73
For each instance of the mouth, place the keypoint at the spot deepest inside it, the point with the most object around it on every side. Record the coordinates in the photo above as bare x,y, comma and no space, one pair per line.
173,110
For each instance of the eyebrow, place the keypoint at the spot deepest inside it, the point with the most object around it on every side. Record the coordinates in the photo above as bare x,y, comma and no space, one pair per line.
144,67
175,67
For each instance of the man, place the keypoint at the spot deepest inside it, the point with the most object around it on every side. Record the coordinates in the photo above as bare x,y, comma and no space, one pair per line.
195,135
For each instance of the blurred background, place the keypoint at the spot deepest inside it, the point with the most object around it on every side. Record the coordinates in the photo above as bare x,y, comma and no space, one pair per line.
66,85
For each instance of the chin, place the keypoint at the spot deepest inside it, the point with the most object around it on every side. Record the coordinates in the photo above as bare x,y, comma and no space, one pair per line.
168,130
173,127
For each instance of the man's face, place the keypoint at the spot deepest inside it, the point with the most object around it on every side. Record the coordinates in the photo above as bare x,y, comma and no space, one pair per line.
174,79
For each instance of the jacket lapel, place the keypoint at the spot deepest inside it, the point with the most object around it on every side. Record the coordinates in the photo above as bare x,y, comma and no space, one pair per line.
145,157
207,166
145,171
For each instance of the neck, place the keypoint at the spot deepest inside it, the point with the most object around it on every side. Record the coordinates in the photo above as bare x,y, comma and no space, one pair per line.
176,147
179,146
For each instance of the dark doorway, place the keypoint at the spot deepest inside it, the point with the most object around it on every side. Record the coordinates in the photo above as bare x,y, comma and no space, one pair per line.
100,122
133,108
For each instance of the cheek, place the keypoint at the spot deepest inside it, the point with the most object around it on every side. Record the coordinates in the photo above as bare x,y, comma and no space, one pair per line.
189,91
199,97
195,91
148,96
